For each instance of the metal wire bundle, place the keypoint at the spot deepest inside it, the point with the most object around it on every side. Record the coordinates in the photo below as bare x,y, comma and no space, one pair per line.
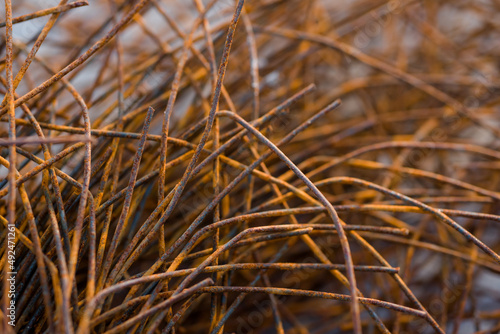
250,167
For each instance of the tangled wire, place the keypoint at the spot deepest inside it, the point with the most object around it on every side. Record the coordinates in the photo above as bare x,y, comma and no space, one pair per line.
250,167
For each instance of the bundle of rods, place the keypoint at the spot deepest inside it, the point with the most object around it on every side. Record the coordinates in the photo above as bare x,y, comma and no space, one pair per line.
259,166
